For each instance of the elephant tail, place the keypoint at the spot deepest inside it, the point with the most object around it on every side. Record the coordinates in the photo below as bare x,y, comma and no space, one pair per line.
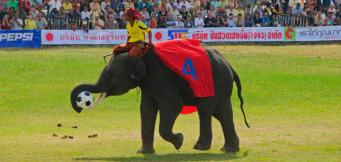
239,87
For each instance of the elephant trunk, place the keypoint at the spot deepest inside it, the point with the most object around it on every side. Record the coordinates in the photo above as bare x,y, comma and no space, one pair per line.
92,88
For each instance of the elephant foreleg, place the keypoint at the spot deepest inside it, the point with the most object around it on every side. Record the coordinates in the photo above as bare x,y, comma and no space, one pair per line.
148,112
224,115
169,111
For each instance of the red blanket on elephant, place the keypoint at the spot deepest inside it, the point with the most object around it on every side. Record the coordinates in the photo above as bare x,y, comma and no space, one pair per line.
189,59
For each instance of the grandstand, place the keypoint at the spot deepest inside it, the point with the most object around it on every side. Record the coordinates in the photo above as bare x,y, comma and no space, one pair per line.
107,14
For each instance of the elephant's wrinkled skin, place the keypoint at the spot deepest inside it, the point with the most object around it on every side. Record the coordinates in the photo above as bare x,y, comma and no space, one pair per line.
166,92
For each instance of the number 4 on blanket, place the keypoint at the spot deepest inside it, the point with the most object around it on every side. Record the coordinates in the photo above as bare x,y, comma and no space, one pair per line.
188,68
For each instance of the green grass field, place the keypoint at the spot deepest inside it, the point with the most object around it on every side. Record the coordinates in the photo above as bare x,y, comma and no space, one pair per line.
292,95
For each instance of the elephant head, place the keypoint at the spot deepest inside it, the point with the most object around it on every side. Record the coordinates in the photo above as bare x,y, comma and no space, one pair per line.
116,79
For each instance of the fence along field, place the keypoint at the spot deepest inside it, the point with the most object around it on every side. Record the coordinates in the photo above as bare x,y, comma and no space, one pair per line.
292,99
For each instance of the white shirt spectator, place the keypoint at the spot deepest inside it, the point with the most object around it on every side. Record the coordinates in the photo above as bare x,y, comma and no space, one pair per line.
186,4
85,14
104,4
55,4
199,22
17,24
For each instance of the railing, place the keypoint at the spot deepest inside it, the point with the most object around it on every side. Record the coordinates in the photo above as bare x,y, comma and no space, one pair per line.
289,20
77,23
68,23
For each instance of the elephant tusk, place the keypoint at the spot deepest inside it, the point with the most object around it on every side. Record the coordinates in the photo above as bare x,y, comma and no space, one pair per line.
98,100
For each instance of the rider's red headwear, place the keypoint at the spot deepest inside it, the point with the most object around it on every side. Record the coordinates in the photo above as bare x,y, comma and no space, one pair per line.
132,14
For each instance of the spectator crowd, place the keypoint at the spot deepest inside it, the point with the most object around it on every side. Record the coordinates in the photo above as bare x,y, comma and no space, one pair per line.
107,14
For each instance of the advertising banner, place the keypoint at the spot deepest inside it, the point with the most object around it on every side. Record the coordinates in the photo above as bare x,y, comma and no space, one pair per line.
237,34
213,35
323,33
118,36
20,38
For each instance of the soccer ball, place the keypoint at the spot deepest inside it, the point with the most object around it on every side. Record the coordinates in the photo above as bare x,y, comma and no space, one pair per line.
85,100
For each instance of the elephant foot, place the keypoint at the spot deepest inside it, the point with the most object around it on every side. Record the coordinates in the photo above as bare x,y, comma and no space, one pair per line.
179,141
202,147
146,150
230,149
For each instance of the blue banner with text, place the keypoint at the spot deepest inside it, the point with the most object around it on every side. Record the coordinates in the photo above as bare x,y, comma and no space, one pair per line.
20,38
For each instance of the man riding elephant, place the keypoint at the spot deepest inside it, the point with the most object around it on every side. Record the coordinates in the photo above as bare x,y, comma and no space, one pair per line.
136,44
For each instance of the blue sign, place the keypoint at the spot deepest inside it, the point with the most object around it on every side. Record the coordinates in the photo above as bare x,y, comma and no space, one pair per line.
20,38
177,34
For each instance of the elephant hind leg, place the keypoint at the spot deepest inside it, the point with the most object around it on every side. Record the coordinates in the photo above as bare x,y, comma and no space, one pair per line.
169,111
224,115
205,111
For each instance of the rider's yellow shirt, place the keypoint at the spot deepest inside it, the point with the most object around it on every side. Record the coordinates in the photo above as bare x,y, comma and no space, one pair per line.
137,31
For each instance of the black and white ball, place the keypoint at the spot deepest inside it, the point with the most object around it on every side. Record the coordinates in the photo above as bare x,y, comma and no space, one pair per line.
85,100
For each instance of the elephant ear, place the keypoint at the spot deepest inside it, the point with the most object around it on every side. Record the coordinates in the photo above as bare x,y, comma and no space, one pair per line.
136,68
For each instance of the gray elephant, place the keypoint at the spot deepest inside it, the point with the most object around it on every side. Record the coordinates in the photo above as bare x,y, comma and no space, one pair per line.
165,91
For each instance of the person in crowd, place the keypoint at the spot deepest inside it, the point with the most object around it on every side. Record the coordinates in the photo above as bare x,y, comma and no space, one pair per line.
266,19
179,24
129,4
25,4
22,14
184,13
199,21
17,23
276,10
210,21
108,11
164,6
319,19
184,3
297,10
257,20
329,20
85,14
41,22
111,23
67,5
224,3
104,4
216,3
6,22
221,11
54,7
211,11
188,23
239,11
174,11
30,22
240,21
13,4
98,23
221,21
195,3
153,22
230,21
145,16
170,23
231,11
144,4
95,6
248,21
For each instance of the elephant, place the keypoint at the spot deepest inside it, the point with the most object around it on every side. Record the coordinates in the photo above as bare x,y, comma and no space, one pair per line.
164,91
